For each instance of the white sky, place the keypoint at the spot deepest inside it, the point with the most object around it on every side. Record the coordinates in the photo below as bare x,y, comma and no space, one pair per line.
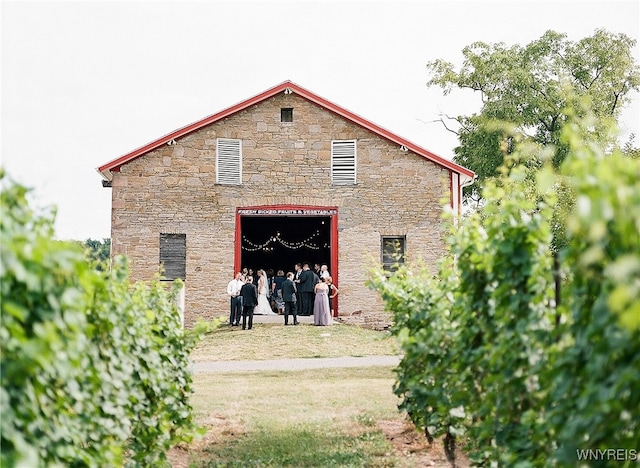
86,82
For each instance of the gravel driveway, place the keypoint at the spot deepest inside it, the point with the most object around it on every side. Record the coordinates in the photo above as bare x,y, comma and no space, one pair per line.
294,364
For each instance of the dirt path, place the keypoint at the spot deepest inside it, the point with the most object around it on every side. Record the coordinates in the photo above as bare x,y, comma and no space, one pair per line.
409,445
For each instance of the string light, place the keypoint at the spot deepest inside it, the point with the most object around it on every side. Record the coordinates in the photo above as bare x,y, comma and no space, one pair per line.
267,245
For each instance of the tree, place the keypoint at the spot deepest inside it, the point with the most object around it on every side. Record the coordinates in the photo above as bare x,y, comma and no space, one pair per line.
530,87
98,252
629,149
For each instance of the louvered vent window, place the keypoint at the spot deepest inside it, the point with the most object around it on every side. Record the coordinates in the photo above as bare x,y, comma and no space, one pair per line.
343,162
173,256
228,161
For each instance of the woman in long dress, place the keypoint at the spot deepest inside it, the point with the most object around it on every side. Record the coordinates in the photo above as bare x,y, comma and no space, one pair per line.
333,292
263,307
276,291
321,311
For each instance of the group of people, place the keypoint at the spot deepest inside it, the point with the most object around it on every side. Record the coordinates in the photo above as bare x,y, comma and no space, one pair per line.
315,292
303,293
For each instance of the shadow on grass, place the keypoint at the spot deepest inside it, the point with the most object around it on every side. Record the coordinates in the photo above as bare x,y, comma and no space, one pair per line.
296,446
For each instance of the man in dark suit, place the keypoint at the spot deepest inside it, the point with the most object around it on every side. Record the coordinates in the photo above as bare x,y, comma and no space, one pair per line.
305,287
296,277
249,294
289,298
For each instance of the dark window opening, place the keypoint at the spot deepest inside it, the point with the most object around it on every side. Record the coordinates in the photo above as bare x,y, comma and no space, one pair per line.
393,252
173,256
286,114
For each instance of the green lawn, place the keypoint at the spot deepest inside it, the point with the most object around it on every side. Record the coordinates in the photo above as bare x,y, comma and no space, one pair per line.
310,418
271,341
307,418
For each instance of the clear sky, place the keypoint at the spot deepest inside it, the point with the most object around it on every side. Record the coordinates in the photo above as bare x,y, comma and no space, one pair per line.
85,82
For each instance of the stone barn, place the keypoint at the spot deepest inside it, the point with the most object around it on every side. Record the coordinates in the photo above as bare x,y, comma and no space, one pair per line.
283,177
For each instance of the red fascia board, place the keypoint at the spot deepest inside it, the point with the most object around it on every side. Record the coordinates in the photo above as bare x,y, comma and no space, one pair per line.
115,164
285,207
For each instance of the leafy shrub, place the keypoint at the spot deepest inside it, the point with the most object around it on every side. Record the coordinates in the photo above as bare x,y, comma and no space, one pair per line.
488,353
94,370
595,378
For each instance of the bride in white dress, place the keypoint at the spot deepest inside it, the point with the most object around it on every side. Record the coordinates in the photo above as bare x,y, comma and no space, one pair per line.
263,307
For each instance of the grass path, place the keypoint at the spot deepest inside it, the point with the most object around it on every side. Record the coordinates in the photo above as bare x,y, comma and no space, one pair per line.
323,417
274,341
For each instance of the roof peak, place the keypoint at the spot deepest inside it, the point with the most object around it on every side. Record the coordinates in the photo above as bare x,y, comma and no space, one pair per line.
287,86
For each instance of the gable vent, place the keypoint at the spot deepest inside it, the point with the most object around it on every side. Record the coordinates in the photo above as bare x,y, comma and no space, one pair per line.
228,161
343,162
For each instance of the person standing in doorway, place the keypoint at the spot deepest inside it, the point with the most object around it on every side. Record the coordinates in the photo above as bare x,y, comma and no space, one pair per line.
276,291
254,276
233,290
289,298
333,292
296,279
263,308
305,286
249,294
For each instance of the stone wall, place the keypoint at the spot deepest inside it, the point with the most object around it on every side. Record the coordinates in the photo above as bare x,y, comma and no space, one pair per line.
172,190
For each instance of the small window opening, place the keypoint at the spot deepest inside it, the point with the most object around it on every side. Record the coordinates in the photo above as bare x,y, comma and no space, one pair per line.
173,256
393,252
286,114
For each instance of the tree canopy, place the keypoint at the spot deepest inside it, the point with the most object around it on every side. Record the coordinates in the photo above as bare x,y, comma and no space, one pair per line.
531,87
98,252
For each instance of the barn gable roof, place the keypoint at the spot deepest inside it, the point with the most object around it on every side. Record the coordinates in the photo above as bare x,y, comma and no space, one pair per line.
288,87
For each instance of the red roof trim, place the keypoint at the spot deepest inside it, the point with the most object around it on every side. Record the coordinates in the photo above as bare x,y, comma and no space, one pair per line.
115,164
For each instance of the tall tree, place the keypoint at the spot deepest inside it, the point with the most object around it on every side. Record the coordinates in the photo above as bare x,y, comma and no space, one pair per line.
630,149
98,252
531,87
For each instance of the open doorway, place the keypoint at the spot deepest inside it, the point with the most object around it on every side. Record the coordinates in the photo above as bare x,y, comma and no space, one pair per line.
279,242
278,237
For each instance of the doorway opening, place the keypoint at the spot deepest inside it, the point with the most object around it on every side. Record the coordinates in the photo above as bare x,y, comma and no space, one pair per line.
279,242
277,237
